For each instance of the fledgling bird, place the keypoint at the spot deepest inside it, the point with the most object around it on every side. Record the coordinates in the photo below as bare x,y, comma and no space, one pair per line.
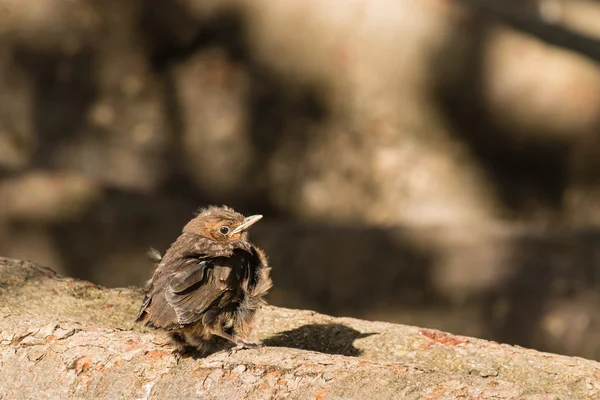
207,287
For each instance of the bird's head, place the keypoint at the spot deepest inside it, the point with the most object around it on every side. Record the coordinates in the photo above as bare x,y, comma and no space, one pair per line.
221,224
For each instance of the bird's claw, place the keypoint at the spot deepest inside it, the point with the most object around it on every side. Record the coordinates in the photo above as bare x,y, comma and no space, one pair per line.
178,355
184,352
244,346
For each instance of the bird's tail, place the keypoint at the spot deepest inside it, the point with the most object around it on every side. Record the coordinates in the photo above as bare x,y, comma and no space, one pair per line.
154,254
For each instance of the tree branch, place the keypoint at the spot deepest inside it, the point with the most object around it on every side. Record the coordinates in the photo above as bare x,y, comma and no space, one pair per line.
63,338
527,22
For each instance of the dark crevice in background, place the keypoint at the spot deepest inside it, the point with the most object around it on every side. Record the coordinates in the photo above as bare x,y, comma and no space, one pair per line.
278,110
347,271
528,174
118,224
515,15
64,90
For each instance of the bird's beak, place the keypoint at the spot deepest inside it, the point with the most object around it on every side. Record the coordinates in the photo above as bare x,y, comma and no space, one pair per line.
248,222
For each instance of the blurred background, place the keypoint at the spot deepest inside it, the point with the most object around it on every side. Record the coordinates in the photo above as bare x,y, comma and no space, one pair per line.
427,162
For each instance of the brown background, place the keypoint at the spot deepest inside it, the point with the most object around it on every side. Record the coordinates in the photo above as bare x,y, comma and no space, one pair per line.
417,161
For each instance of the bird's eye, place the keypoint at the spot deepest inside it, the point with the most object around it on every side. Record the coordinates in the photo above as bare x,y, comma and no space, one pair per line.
224,230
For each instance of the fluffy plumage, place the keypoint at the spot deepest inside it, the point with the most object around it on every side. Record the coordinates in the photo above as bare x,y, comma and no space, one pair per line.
208,285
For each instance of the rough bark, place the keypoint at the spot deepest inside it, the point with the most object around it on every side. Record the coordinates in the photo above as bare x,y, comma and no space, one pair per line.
64,338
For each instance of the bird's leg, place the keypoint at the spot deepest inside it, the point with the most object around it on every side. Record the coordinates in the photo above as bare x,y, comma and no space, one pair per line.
182,349
239,344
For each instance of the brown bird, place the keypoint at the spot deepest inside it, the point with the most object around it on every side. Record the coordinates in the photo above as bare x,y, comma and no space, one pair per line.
208,285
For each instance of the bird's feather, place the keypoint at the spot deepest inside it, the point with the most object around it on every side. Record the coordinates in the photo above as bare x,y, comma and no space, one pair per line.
213,285
204,291
187,279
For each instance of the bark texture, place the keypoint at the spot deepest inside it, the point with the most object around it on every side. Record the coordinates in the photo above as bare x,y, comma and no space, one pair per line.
64,338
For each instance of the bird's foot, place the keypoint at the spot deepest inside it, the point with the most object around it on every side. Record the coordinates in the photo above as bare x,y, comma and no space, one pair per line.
182,352
244,346
177,355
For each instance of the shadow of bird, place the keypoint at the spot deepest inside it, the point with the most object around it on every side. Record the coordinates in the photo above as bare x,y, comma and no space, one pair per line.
323,338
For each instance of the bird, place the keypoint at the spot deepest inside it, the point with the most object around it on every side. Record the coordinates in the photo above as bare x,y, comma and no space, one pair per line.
207,287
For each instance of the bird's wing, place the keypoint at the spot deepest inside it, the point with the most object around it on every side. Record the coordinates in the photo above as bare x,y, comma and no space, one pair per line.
155,310
193,292
155,255
186,280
